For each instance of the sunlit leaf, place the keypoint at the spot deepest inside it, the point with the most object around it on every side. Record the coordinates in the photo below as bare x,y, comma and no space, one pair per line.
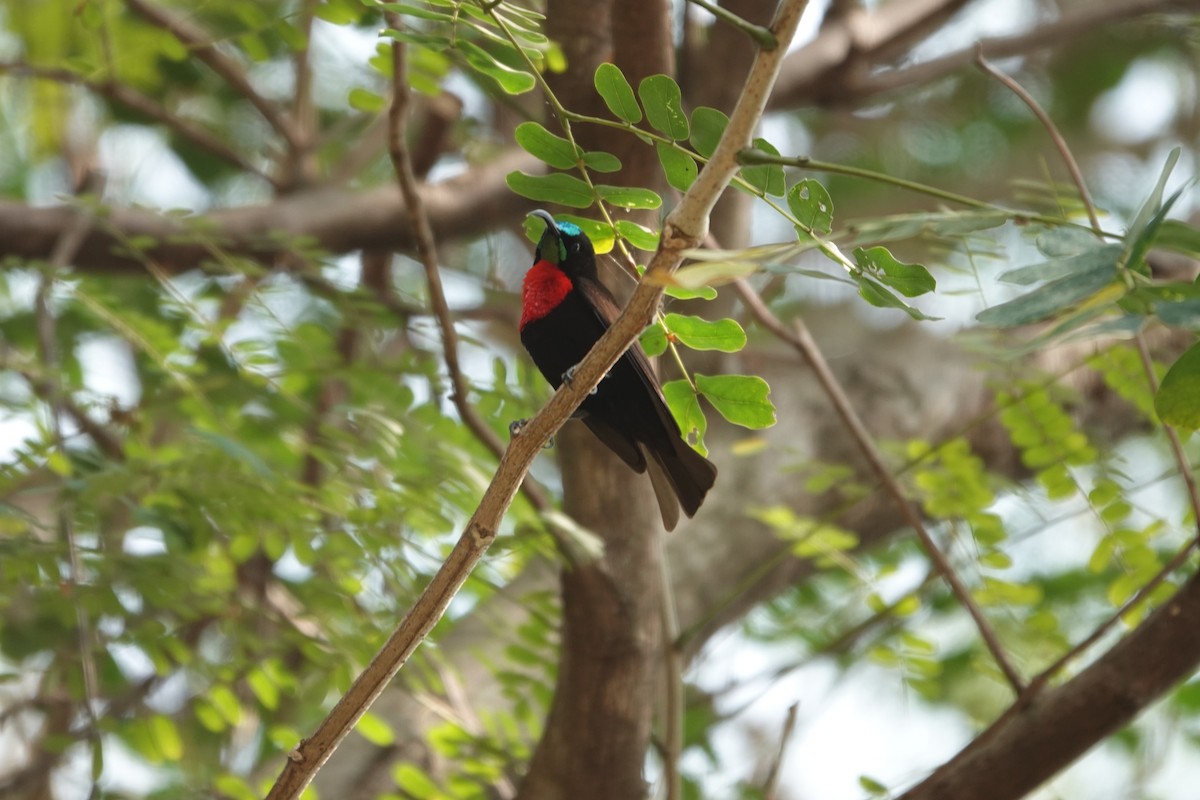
685,407
741,399
1178,398
725,335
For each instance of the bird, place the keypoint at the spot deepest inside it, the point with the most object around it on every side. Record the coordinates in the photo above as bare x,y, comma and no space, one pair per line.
565,309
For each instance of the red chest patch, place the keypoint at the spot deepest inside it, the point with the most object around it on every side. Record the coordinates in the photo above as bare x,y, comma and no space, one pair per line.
544,288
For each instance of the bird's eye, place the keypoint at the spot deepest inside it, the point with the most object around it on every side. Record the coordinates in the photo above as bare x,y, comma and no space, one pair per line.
575,247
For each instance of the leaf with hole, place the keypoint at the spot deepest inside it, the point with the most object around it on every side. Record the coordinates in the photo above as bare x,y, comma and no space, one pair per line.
910,280
663,102
628,196
811,204
685,407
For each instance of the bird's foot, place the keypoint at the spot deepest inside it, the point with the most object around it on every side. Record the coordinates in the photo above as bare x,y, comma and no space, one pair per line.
568,378
517,426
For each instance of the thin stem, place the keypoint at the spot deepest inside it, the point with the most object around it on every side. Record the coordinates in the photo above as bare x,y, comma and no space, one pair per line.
427,249
1051,129
757,33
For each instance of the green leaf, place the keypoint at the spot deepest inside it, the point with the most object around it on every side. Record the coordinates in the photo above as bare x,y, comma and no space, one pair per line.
617,93
412,780
510,80
910,280
811,204
725,335
165,735
741,399
678,166
1050,299
375,730
1178,237
557,187
685,407
1180,314
654,340
712,273
663,102
767,178
542,144
1095,257
364,100
600,161
880,296
1178,398
697,293
637,235
628,196
1142,223
707,126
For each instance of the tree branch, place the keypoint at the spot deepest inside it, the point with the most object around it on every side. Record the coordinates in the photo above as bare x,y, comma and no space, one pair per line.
332,220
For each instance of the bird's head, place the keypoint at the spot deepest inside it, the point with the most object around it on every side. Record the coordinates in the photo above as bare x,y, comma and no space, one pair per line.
565,246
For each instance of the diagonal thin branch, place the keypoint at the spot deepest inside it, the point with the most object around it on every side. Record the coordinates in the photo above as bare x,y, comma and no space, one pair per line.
802,341
423,234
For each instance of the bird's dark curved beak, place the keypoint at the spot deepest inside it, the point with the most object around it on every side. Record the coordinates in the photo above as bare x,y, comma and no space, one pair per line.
542,214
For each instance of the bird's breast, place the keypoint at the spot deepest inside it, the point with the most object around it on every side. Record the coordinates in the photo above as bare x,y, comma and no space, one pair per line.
544,288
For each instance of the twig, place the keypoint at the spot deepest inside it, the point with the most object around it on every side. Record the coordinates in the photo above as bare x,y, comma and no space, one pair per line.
200,43
1051,129
802,341
1181,459
301,168
64,251
684,227
427,249
758,34
142,104
771,784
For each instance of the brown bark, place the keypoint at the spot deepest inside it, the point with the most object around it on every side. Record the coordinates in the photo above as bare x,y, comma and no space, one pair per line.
1020,753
